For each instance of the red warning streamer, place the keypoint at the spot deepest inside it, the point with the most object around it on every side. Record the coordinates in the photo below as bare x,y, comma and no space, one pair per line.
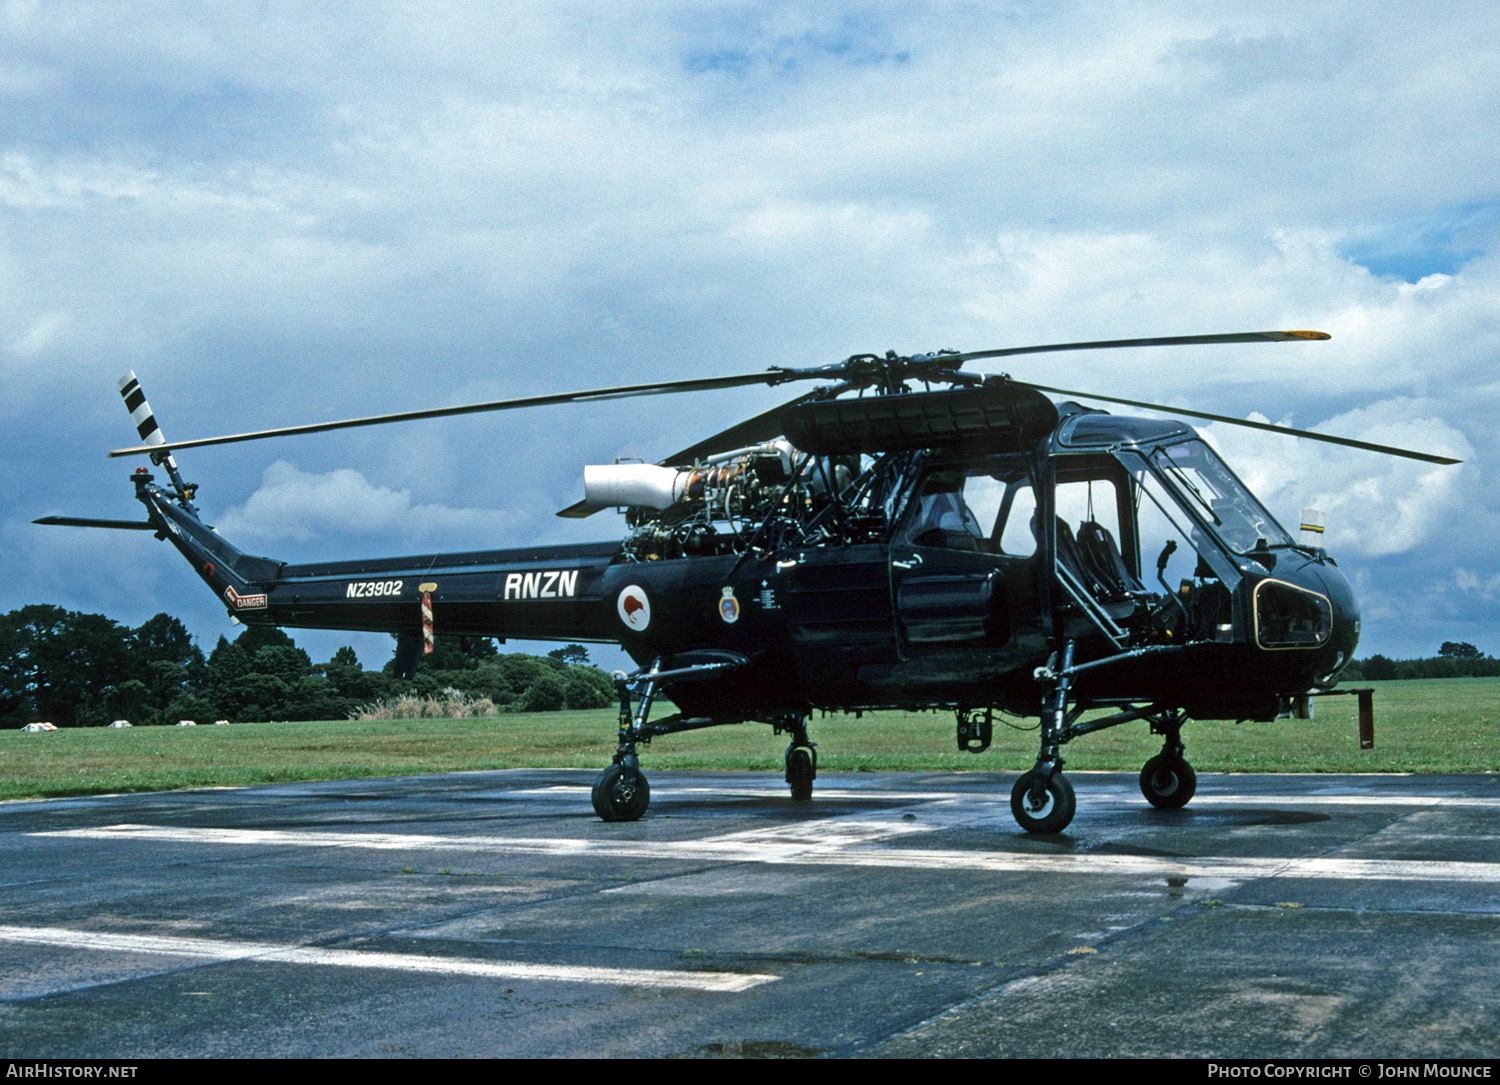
427,633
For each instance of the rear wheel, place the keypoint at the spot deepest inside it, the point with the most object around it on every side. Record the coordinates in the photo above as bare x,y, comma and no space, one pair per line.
620,794
1055,810
1168,782
801,768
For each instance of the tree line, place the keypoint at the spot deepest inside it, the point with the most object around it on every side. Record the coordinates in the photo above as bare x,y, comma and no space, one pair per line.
85,670
1455,659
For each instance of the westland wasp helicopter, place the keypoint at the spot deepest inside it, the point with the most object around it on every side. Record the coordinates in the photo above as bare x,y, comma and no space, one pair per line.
973,547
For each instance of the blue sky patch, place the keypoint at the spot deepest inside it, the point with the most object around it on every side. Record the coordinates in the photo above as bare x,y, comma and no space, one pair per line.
852,41
1439,242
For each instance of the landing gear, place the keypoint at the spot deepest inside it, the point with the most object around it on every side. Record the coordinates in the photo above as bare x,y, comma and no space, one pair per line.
1167,780
621,793
801,756
1042,800
1168,783
801,769
1043,807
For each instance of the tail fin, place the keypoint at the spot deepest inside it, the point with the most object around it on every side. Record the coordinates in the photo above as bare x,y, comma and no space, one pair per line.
150,432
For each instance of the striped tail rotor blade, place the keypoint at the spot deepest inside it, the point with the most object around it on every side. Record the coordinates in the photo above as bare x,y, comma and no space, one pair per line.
145,421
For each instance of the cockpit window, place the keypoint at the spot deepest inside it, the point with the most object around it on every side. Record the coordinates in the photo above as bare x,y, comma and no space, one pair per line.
940,517
985,506
1204,484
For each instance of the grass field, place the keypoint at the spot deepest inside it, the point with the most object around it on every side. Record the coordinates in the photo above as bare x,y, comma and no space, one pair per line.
1438,725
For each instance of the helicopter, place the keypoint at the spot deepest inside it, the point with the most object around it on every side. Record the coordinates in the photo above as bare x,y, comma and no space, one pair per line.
907,535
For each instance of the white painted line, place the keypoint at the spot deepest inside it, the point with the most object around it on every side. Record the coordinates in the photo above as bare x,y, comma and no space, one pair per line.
770,791
848,843
208,949
1125,793
1435,801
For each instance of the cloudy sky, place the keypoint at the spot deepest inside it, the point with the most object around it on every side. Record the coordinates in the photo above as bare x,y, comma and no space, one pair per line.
280,212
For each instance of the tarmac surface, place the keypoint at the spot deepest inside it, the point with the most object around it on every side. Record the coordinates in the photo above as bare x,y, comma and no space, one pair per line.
896,915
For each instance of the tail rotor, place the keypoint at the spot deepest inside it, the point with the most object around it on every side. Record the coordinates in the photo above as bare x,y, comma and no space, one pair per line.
150,434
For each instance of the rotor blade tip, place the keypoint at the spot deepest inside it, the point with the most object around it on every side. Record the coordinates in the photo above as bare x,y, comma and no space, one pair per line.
1307,335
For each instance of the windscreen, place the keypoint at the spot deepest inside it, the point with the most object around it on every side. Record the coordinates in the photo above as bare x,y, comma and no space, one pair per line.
1204,484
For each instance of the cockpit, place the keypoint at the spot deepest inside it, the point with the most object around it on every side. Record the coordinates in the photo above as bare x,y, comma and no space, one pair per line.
1166,495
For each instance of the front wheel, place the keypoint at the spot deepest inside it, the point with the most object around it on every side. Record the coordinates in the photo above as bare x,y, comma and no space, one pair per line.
1168,782
1054,812
621,795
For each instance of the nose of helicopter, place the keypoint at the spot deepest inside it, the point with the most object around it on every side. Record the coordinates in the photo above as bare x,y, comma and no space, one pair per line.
1325,578
1345,637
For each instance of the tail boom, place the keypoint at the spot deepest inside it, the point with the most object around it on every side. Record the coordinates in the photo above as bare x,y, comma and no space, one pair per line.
545,593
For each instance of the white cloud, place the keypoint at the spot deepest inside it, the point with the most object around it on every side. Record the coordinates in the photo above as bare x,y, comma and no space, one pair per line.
1374,505
296,216
43,333
1486,588
300,506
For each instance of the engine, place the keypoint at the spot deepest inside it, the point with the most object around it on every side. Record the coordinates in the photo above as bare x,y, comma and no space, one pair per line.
750,496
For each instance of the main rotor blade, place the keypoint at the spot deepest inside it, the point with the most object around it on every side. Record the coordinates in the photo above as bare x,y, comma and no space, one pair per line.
1167,341
1326,438
770,377
623,391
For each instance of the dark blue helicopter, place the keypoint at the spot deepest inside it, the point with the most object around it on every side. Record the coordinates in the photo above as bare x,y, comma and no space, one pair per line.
978,547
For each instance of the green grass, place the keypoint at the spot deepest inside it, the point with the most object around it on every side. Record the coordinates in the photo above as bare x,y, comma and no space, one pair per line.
1434,725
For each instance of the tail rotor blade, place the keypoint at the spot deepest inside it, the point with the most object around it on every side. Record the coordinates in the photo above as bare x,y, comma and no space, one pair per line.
155,444
145,421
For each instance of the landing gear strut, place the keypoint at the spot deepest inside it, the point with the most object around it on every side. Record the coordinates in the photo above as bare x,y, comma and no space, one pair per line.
621,792
1042,800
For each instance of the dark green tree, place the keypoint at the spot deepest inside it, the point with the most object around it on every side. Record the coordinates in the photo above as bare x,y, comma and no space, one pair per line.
589,687
453,654
288,663
571,654
349,678
60,665
227,664
546,694
165,638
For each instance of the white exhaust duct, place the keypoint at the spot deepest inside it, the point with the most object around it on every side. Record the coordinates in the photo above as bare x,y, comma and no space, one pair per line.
651,486
640,484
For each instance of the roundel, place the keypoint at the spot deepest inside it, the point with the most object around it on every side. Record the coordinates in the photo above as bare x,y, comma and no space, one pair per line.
634,608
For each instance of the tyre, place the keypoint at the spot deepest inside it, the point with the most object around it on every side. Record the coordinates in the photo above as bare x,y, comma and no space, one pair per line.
801,768
1055,811
620,795
1168,782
